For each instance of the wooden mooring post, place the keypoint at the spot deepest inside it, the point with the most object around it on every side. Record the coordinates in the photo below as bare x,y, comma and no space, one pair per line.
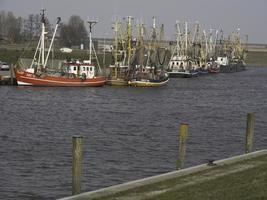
77,155
182,143
250,132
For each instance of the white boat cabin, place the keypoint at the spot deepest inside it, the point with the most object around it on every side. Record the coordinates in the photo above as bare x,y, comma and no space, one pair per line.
81,69
181,63
222,61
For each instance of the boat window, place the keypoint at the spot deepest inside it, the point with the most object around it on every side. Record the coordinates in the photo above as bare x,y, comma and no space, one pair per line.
177,63
83,68
74,68
87,68
91,69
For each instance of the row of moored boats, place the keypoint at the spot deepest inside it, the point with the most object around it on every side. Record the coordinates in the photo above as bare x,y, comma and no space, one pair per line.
138,61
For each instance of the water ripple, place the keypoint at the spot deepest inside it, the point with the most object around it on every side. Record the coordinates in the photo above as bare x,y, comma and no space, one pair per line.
129,133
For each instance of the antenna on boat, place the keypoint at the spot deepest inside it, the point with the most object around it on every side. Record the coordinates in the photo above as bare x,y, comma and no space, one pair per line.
91,23
43,15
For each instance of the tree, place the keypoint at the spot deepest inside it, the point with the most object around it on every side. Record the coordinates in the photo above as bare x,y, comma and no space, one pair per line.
2,24
74,33
13,28
65,36
29,27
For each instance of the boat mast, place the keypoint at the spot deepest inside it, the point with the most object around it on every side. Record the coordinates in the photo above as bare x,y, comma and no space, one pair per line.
206,43
129,34
186,38
116,43
215,44
175,52
37,48
154,33
210,42
116,49
195,41
91,24
52,41
43,37
153,39
178,39
140,44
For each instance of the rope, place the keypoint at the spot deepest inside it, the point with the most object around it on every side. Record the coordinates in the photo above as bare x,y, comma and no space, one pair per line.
161,63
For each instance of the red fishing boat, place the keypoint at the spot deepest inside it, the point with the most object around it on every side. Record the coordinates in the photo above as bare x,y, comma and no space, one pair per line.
70,74
74,75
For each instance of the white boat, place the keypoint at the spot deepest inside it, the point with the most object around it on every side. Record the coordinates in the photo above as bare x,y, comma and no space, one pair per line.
180,64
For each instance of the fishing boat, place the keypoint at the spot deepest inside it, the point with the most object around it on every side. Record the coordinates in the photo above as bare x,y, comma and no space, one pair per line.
70,74
148,70
148,83
118,75
182,64
182,67
233,56
123,52
230,65
211,52
148,77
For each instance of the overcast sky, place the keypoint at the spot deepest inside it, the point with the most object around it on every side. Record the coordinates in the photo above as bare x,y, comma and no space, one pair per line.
248,15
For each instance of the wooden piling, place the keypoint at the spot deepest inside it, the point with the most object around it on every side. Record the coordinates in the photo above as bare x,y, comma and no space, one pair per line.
77,154
250,132
182,144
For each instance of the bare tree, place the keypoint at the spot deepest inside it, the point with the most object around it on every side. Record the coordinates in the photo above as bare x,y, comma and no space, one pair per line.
74,33
3,29
13,28
30,26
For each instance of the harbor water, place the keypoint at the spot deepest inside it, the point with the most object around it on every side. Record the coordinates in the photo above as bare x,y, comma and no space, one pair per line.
129,133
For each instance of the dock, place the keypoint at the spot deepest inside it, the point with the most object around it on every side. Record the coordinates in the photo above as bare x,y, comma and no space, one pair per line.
8,77
239,177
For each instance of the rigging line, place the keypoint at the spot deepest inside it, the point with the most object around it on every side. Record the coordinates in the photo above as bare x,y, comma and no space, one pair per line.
161,63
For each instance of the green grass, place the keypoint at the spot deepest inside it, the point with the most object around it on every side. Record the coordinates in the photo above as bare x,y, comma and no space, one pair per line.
256,58
239,181
12,55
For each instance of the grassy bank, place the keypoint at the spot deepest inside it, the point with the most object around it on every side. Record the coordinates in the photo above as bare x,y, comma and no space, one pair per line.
11,55
241,180
256,58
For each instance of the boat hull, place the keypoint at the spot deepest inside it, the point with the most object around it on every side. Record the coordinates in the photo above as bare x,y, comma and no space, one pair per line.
202,72
117,82
214,71
29,79
236,67
182,74
141,83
